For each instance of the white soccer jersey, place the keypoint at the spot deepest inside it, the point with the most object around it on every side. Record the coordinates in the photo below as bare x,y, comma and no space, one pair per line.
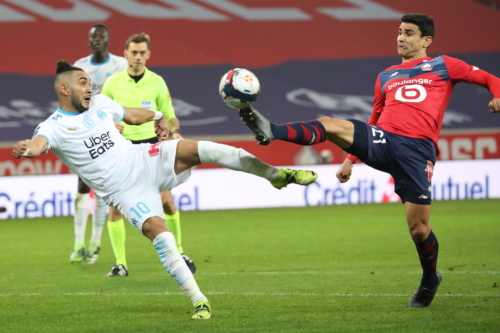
83,142
98,73
128,177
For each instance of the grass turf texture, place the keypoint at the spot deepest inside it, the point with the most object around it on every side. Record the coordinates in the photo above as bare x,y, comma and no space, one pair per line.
345,268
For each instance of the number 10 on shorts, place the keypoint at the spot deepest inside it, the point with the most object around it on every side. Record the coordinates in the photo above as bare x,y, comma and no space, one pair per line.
139,208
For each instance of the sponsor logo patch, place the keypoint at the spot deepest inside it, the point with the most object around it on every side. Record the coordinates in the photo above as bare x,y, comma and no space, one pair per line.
155,150
98,145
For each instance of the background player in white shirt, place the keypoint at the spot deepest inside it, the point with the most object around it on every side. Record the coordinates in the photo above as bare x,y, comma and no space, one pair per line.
130,177
99,66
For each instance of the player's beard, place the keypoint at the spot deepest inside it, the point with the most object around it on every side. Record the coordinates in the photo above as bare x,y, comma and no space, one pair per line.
76,102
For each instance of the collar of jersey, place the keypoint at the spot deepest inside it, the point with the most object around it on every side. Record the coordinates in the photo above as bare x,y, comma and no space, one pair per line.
102,63
141,81
412,63
66,113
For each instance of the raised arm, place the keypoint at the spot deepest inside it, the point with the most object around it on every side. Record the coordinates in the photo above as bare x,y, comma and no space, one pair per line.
492,83
30,148
462,72
135,116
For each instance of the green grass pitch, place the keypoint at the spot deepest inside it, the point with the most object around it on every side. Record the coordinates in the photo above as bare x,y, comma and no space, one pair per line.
345,268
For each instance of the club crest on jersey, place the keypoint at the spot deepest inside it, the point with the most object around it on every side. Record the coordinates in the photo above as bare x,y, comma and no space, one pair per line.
101,114
426,67
88,122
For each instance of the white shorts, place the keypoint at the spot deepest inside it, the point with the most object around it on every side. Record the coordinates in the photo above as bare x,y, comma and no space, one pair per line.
140,199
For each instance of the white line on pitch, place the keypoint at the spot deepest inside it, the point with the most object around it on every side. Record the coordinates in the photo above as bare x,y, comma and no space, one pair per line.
38,277
343,272
245,294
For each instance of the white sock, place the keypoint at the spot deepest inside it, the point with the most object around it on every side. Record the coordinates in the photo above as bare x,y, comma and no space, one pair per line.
235,159
81,215
176,266
98,219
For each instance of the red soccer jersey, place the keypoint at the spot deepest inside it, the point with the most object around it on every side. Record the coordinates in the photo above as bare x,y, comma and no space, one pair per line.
411,98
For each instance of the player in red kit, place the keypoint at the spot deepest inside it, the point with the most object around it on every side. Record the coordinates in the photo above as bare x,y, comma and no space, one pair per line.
401,135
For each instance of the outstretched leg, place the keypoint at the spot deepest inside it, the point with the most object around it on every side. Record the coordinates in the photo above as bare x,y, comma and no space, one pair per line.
340,132
192,153
427,247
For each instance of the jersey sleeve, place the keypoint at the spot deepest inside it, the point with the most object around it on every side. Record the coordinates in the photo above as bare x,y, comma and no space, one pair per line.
378,103
459,70
48,132
463,72
116,109
164,101
485,79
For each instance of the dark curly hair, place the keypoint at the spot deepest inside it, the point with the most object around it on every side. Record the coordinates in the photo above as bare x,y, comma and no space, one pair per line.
63,66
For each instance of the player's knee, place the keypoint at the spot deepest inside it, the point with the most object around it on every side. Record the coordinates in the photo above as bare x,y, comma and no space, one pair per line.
335,126
153,226
329,124
246,159
419,230
338,131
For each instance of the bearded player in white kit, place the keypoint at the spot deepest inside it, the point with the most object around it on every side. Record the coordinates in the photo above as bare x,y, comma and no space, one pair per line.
130,177
99,66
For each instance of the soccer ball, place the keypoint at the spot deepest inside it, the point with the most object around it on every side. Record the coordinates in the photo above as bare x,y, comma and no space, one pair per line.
239,88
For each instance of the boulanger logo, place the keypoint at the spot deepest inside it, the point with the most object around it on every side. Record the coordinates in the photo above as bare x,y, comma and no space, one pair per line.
412,93
409,81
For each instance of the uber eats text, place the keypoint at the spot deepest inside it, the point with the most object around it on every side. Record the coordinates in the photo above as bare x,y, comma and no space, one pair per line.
98,145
